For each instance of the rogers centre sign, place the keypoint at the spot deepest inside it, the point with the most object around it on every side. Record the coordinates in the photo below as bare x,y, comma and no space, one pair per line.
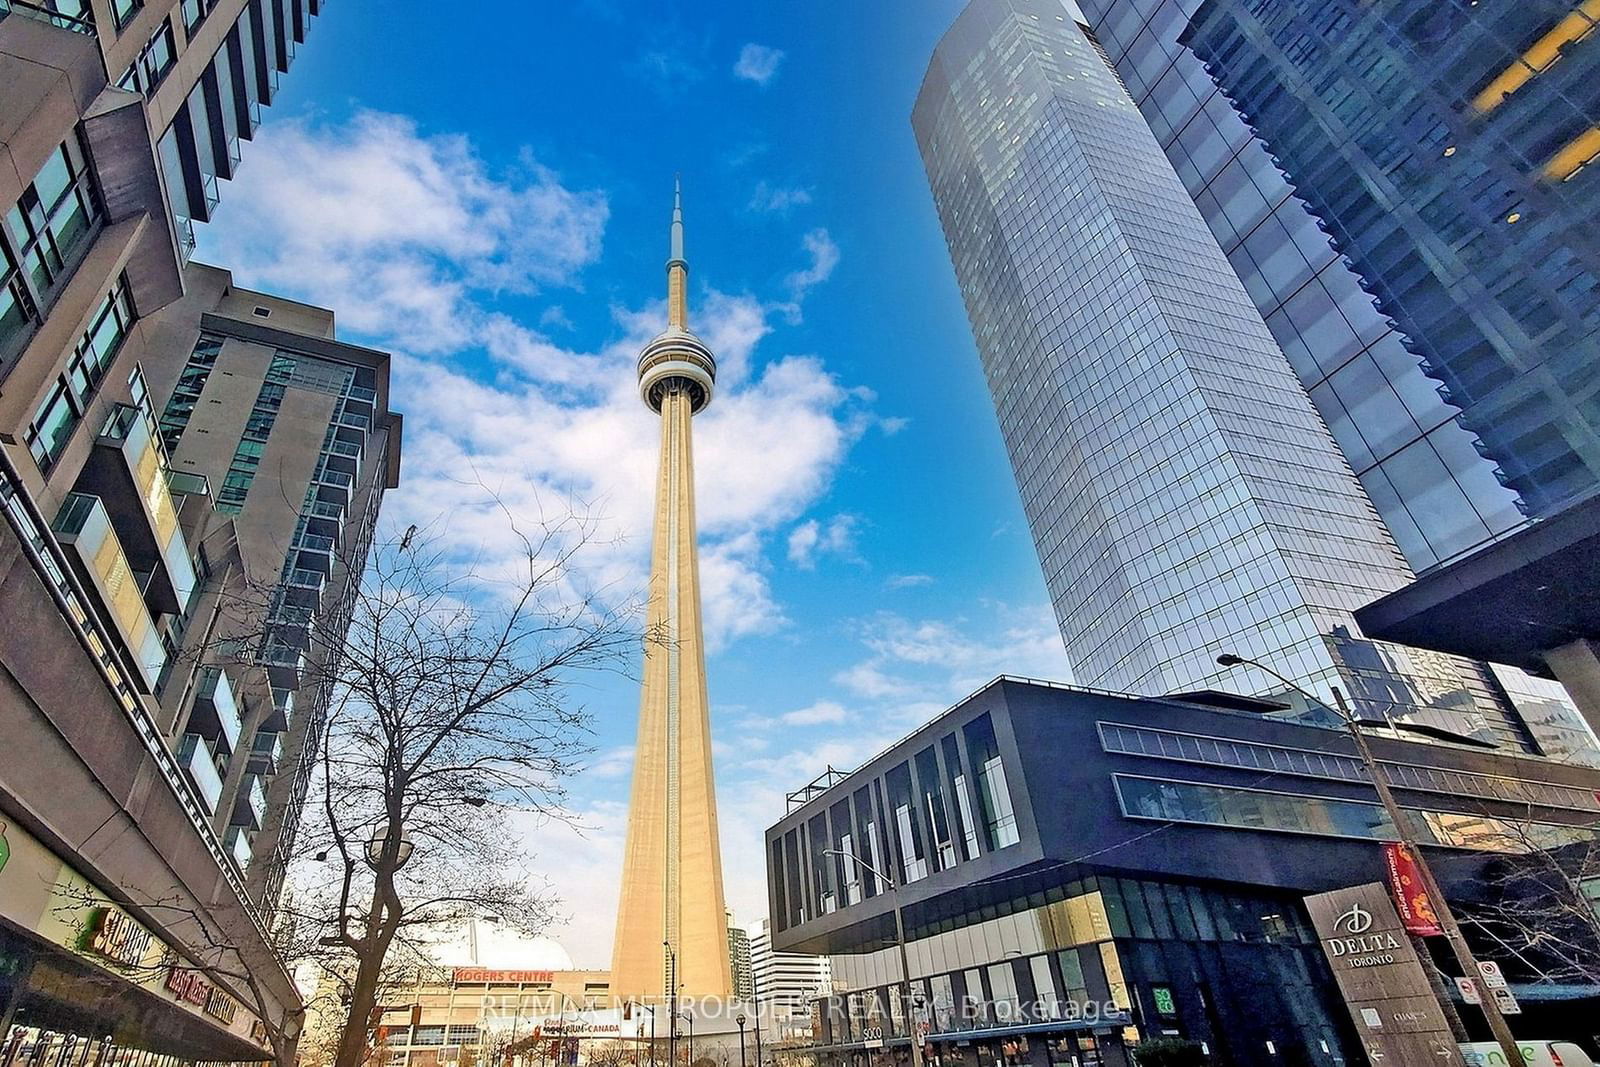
490,976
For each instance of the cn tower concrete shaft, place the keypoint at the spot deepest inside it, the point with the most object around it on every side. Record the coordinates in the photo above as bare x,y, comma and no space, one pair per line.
671,937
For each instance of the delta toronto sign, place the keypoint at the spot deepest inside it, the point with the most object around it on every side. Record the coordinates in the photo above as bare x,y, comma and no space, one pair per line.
1381,979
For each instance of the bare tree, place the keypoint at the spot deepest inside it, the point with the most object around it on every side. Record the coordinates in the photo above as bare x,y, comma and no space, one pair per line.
450,717
1539,903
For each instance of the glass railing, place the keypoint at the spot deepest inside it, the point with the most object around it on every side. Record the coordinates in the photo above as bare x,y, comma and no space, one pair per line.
292,615
361,392
237,842
194,756
332,476
344,448
360,422
301,578
310,542
185,483
214,702
66,16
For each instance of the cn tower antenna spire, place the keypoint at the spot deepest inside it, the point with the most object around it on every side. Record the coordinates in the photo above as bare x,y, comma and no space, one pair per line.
677,223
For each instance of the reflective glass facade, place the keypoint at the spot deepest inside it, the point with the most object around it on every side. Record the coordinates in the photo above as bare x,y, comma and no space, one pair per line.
1445,146
1184,495
1418,464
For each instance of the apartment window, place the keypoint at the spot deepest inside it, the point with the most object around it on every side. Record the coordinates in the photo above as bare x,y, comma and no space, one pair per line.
186,394
194,13
122,11
999,819
52,426
62,409
155,60
15,307
101,343
53,218
247,457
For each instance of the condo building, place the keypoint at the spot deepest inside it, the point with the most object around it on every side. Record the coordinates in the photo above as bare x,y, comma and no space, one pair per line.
1185,497
189,472
1421,447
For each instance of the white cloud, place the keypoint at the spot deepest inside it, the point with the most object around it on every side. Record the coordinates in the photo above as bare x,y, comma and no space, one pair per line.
414,240
757,63
395,229
812,538
823,711
824,254
907,581
778,198
612,763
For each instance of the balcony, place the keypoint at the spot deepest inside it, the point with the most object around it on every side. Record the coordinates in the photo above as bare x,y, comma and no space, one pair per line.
80,22
200,768
332,484
313,551
128,471
281,717
283,661
186,483
250,810
84,529
237,842
215,715
303,587
266,752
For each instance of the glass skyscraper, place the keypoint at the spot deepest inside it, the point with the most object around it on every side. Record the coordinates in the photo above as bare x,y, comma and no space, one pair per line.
1444,145
1429,476
1184,495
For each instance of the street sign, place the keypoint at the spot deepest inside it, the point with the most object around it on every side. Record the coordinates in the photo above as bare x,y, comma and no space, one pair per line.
1491,974
1469,990
1508,1003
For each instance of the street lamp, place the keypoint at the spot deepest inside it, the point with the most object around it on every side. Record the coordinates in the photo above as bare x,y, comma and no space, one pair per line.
379,843
1447,919
900,939
739,1021
688,1017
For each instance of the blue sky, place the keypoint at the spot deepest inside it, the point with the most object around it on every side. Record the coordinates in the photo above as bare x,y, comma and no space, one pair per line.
484,191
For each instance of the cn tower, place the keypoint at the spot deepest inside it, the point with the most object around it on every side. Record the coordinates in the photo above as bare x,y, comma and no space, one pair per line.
671,937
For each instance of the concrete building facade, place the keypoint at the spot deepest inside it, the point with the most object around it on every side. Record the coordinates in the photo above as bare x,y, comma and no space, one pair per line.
1184,495
137,771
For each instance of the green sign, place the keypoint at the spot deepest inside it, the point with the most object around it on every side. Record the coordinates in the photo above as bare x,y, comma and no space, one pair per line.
5,848
1165,1005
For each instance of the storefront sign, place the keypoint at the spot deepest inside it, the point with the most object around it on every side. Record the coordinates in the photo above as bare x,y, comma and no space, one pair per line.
872,1037
1405,883
113,935
490,976
1165,1004
192,987
1380,977
5,847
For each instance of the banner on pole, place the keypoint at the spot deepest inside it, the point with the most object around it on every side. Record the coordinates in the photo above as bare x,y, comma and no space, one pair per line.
1406,886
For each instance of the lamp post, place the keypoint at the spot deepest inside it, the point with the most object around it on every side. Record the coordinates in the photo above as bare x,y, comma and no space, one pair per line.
739,1020
688,1017
1447,919
900,939
755,996
672,1005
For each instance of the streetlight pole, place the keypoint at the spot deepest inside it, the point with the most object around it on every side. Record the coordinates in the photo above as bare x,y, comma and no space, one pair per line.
755,996
739,1019
1447,919
672,995
900,939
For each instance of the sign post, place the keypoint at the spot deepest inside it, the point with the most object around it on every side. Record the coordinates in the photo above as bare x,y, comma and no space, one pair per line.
1381,978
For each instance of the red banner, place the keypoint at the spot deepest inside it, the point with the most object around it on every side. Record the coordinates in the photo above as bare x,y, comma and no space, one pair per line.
1410,898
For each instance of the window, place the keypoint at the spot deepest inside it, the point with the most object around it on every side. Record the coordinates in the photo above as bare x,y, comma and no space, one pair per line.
191,383
53,218
122,11
156,59
100,345
58,416
247,456
194,13
52,426
15,306
1254,809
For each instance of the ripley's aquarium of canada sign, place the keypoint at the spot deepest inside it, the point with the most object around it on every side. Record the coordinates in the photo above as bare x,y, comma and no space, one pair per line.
1380,976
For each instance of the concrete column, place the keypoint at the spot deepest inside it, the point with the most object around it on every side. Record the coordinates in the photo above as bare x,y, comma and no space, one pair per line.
1577,666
